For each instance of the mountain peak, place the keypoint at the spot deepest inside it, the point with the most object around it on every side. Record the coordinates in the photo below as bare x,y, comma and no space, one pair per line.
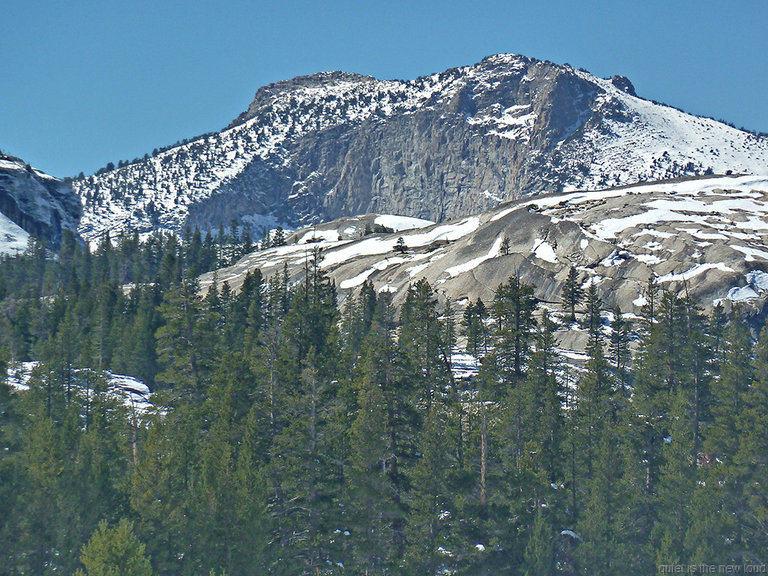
505,59
266,95
442,146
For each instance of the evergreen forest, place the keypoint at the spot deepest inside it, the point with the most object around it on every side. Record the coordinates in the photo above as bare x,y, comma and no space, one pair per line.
293,435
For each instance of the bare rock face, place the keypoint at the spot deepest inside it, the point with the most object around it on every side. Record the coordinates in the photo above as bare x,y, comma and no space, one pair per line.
438,147
36,202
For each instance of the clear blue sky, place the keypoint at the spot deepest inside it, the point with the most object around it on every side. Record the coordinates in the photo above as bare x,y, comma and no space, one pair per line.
83,83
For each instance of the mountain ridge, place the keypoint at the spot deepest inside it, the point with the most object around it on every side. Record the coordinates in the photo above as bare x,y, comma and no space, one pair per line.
442,146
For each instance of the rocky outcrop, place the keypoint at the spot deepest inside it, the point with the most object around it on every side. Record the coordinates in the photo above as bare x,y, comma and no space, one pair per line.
438,147
702,237
36,202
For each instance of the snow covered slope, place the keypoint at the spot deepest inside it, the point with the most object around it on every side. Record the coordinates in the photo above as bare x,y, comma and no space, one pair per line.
13,238
438,147
706,236
32,202
637,138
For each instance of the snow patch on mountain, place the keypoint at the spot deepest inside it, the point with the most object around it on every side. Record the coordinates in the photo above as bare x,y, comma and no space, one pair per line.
317,235
756,287
13,238
751,253
694,271
398,223
545,236
475,262
543,250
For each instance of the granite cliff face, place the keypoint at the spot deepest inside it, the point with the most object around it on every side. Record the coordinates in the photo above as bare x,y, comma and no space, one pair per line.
32,202
438,147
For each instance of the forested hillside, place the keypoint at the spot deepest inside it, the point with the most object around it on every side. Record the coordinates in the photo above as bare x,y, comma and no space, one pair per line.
292,436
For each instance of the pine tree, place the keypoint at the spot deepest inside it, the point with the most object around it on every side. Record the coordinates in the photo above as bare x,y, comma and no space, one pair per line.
475,330
41,529
677,481
593,321
422,342
311,321
213,497
596,525
278,238
208,253
185,341
539,552
251,522
11,425
751,459
572,293
711,526
193,259
594,412
429,544
96,479
108,304
512,312
504,246
661,370
234,241
247,241
619,347
170,266
547,398
302,475
222,256
251,301
163,487
368,483
699,360
736,377
357,319
113,551
648,309
718,324
141,352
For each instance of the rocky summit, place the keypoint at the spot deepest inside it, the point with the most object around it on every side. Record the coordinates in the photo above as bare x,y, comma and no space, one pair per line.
439,147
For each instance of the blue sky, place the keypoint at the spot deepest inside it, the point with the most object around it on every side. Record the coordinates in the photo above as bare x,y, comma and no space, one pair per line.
83,83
